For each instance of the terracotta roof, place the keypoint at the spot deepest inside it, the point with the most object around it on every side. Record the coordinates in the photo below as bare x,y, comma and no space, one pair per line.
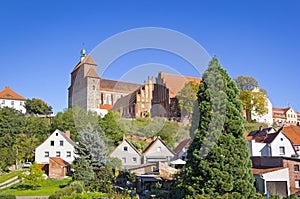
293,133
280,112
87,60
118,86
153,143
176,82
59,161
8,93
267,170
185,143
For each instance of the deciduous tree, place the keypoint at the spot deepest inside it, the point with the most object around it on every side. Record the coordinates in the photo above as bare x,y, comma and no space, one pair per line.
37,106
253,98
35,177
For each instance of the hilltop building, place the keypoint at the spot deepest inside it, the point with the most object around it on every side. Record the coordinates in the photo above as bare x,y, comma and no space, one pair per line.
285,116
132,100
9,98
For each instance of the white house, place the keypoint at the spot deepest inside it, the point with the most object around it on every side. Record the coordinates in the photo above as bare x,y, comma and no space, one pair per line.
268,116
9,98
127,153
58,144
158,151
270,144
272,180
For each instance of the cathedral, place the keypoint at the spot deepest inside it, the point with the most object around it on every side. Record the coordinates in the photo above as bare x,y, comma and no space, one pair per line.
153,98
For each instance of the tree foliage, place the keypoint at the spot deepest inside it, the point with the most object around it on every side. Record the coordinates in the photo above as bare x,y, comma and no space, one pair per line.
253,98
187,97
37,106
35,177
218,157
11,121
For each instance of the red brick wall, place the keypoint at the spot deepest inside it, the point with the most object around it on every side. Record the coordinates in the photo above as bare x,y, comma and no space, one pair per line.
293,174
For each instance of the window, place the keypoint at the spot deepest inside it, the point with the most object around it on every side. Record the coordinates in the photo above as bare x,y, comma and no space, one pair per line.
56,134
57,154
61,143
12,103
281,150
3,101
21,103
68,154
159,149
107,100
134,159
124,160
125,148
297,183
46,153
52,143
296,167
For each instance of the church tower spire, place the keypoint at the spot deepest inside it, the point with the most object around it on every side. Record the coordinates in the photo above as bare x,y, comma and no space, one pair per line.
82,54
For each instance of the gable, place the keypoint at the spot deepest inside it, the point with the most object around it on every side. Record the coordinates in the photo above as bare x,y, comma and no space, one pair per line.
125,147
57,136
158,148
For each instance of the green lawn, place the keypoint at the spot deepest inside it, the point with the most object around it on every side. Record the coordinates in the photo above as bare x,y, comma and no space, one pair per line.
10,175
49,187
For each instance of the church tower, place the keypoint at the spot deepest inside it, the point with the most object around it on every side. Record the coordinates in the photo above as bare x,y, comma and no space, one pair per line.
85,84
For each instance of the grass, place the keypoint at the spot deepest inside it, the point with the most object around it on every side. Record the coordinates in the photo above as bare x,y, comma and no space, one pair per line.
10,175
48,187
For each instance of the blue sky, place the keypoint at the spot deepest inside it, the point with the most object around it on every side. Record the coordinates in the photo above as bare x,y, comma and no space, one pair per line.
40,41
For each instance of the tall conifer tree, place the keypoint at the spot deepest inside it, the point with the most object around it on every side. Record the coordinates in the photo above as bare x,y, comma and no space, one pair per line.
218,158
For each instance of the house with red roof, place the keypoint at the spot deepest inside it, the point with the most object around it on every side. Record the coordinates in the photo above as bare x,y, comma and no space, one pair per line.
9,98
268,142
285,116
293,133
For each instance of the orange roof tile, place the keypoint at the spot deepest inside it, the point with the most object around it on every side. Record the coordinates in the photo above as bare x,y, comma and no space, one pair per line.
176,82
59,161
293,133
267,170
8,93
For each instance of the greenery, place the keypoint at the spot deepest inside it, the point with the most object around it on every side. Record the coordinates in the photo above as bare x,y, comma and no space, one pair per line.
219,160
34,178
187,97
37,106
48,188
7,196
253,98
9,175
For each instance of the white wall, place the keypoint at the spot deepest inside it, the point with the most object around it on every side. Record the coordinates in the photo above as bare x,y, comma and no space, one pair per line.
258,148
279,175
56,136
282,141
16,104
267,117
129,154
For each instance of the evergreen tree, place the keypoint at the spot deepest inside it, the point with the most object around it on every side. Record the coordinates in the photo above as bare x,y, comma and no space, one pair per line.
83,171
218,157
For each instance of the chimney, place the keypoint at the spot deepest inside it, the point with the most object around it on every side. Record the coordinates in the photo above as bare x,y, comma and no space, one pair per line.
67,133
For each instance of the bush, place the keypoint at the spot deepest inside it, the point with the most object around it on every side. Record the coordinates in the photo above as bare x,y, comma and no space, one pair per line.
7,196
84,196
66,191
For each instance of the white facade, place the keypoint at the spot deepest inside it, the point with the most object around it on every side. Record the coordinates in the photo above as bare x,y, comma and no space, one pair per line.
13,103
279,146
274,182
58,144
267,117
127,154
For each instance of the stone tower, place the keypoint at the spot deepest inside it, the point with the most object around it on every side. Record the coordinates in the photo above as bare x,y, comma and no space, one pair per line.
85,84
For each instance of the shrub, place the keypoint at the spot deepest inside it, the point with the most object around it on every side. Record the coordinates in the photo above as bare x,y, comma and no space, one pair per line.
7,196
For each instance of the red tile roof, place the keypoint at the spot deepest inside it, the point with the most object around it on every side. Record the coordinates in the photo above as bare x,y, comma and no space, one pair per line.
176,82
8,93
267,170
59,161
293,133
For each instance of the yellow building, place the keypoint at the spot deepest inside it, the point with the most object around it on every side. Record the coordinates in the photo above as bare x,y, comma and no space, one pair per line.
285,116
